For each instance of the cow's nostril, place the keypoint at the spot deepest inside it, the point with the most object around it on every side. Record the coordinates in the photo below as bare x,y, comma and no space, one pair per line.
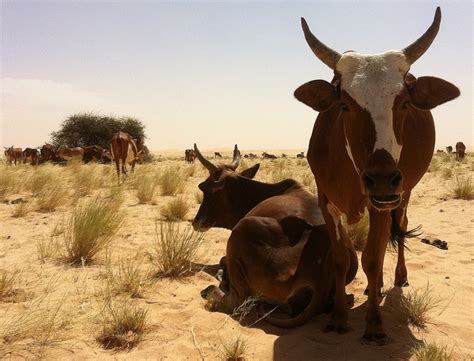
369,181
396,179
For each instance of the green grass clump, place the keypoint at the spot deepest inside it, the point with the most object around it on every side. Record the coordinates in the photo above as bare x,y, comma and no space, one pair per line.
418,304
175,210
90,229
174,249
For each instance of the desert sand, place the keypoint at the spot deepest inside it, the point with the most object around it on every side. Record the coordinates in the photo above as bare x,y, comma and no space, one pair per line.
179,326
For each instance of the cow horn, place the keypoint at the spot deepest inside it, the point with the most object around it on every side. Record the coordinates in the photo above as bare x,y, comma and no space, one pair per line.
416,49
327,55
210,167
236,159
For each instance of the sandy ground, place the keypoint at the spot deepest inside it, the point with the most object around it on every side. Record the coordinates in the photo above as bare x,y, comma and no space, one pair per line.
179,326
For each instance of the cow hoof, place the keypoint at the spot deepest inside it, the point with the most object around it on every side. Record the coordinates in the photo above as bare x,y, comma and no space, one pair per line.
402,283
381,294
340,327
350,300
379,339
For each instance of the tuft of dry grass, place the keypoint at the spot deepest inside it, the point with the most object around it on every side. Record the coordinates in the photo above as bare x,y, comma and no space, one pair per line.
52,196
126,277
123,324
85,179
447,173
463,188
434,165
21,209
174,249
146,188
175,210
91,228
6,181
433,352
418,304
233,349
170,181
7,280
47,248
45,176
359,231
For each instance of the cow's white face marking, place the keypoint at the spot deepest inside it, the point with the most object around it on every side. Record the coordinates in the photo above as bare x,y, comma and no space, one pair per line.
374,81
336,215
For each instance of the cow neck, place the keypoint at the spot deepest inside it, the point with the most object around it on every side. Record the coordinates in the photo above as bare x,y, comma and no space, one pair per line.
256,192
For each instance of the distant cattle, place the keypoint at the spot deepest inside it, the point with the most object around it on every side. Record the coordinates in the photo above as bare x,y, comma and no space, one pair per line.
449,149
31,155
217,155
460,150
300,155
67,154
92,153
439,151
13,155
279,248
372,142
189,156
283,155
266,155
48,152
123,148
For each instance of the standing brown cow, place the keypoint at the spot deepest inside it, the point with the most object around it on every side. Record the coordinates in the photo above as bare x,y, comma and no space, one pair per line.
460,150
13,155
32,155
372,142
189,155
123,148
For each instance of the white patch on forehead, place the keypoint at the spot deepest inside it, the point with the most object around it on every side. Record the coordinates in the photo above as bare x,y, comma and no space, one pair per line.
374,81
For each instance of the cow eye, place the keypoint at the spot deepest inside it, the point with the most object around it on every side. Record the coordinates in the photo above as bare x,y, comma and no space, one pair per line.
344,107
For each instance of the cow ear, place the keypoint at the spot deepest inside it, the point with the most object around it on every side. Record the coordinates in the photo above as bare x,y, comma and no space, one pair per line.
427,92
317,94
250,172
293,227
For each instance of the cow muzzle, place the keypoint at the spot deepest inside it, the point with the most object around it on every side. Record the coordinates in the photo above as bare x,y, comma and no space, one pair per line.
384,189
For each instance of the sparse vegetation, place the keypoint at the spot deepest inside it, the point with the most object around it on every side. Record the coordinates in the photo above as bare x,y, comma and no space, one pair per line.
90,229
7,280
47,248
359,231
20,209
433,352
85,179
52,196
123,324
463,188
125,277
146,188
234,349
174,249
175,210
170,181
418,305
447,173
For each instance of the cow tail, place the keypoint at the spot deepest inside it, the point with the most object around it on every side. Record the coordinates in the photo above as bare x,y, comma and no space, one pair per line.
396,233
298,320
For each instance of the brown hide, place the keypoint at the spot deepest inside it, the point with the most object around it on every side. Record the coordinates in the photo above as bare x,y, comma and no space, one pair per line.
66,153
460,150
121,144
31,155
14,155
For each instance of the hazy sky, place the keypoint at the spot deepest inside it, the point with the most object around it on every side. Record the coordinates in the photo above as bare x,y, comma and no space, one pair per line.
215,73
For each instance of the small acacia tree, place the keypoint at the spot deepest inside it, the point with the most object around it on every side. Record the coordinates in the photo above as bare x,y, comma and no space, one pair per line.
85,129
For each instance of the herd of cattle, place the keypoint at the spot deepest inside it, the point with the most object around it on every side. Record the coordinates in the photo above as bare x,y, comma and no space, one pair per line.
459,150
372,142
190,155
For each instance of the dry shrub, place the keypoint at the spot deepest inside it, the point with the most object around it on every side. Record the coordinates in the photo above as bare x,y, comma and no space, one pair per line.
21,209
7,280
170,181
359,231
146,188
463,188
174,249
433,352
434,166
418,304
123,324
126,277
175,210
52,196
85,179
447,173
90,228
233,349
44,177
47,248
6,181
190,171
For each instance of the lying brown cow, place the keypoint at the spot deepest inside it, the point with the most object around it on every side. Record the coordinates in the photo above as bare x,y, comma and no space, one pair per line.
279,248
92,153
67,154
31,155
13,155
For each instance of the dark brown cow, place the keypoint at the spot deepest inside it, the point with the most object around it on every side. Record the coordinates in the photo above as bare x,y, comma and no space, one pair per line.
449,149
47,152
13,155
372,142
300,155
460,150
123,148
93,153
189,156
66,153
279,247
32,155
217,155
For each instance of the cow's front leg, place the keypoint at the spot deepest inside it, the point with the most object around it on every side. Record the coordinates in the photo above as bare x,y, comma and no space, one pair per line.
342,260
372,263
